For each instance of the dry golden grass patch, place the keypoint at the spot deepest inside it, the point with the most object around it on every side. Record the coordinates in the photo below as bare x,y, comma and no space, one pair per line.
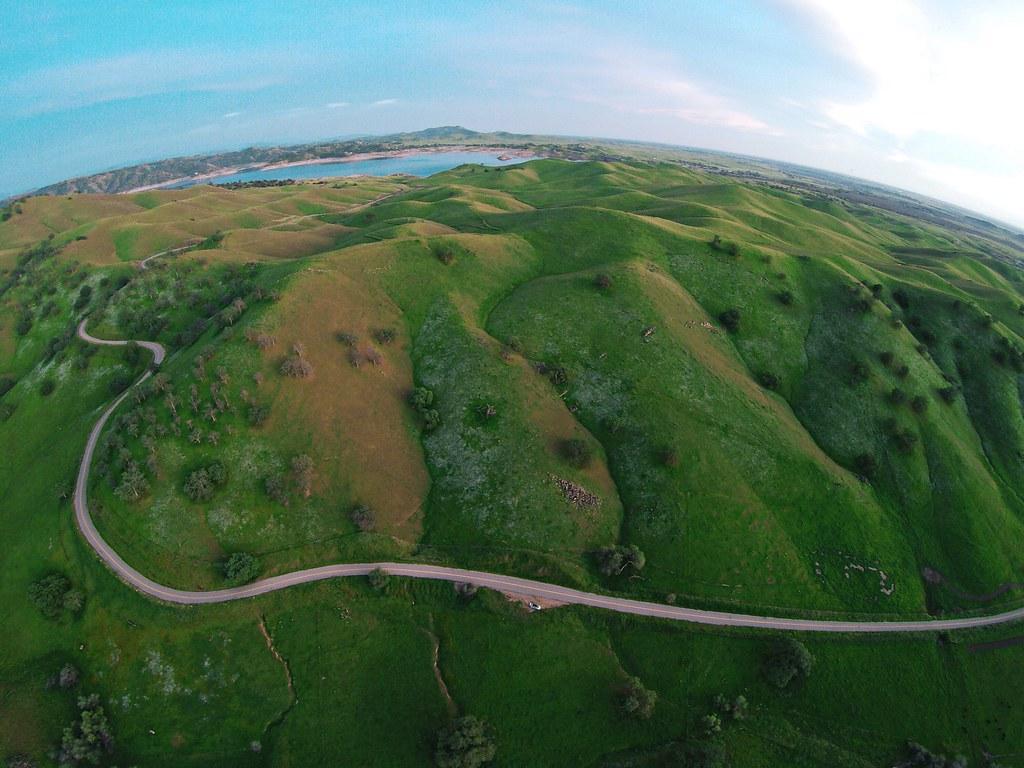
354,421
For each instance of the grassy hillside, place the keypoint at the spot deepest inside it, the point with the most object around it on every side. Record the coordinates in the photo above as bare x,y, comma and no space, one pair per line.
790,405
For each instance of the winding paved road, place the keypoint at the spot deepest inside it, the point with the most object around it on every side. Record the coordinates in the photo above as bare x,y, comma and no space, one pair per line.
511,584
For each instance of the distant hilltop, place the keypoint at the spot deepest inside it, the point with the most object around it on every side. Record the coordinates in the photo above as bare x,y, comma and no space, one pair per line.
175,169
794,178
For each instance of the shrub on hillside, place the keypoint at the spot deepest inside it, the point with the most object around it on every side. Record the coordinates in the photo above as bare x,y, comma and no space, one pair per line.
241,568
296,367
383,335
919,404
865,464
786,661
617,559
785,297
277,489
464,743
379,579
635,700
768,380
576,452
725,246
730,320
603,282
858,373
668,456
302,474
47,386
422,399
948,394
897,396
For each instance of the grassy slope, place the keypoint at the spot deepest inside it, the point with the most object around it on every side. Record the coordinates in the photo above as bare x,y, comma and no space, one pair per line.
362,663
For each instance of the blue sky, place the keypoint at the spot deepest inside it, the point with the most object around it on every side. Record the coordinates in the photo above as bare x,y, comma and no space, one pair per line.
922,95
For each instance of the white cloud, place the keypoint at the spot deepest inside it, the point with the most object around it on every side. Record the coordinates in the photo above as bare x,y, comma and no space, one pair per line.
945,79
384,102
647,83
230,115
336,104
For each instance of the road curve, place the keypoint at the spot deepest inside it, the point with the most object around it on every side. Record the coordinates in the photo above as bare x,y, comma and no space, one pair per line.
512,584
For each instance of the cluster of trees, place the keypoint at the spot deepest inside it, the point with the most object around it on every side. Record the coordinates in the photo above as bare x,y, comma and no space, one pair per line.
422,400
88,738
465,742
55,596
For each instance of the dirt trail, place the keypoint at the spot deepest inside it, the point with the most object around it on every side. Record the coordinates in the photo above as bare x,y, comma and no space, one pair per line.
453,710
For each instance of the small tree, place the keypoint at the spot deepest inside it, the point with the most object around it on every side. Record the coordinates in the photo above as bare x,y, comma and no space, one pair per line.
133,485
785,297
635,700
68,676
363,518
302,471
383,335
464,743
199,486
919,404
787,660
768,380
241,568
603,282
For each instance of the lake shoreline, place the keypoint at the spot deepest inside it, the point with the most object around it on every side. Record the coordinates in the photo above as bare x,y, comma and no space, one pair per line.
510,152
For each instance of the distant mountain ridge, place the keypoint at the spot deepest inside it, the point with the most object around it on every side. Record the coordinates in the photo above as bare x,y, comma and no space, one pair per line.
174,168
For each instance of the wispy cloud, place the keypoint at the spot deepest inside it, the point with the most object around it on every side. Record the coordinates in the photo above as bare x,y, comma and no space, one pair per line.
230,115
336,104
384,102
648,83
138,75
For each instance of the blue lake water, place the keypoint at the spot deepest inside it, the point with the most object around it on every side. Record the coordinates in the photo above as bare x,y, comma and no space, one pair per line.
424,164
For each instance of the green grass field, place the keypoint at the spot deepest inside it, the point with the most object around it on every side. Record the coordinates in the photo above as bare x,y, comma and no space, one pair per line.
857,427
